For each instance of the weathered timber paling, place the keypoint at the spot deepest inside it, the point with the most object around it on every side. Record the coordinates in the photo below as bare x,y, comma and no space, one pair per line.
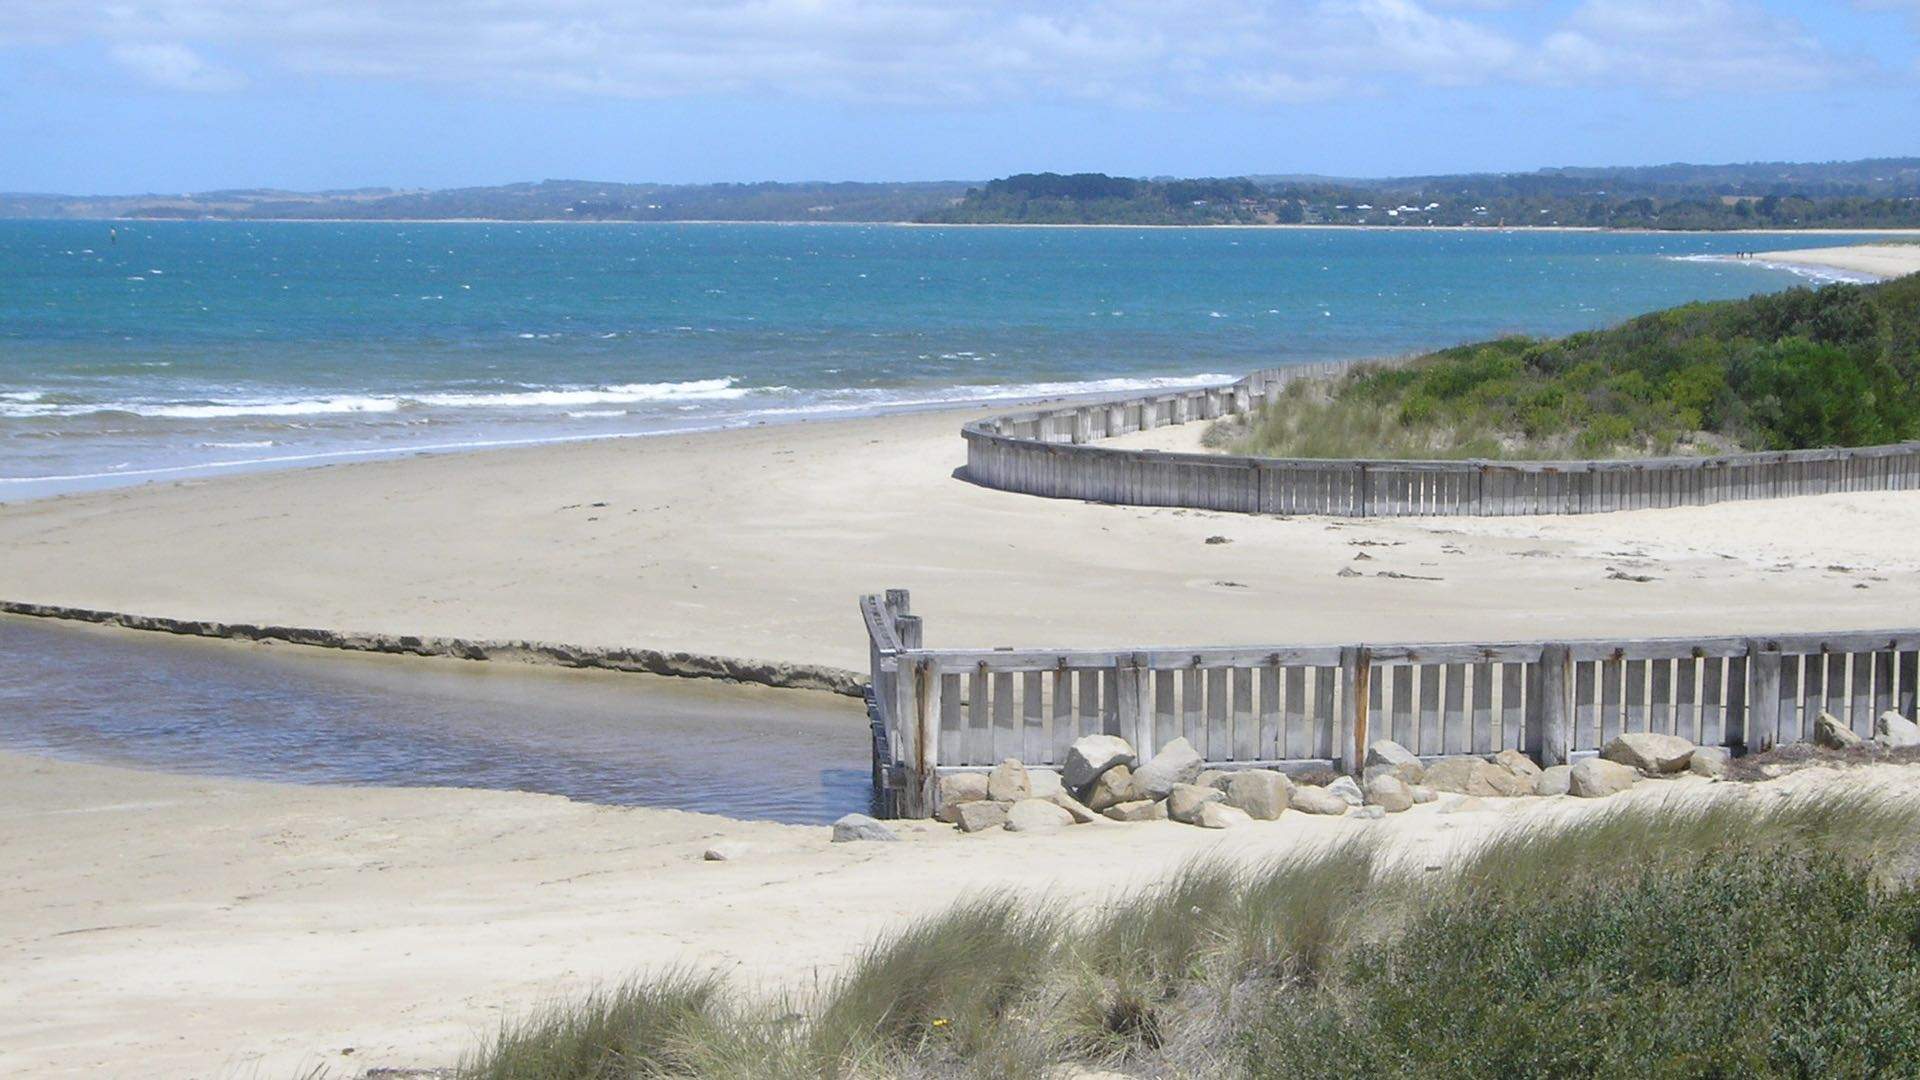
1292,706
1053,453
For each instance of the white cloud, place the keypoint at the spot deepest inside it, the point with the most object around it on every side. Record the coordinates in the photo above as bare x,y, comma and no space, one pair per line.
1138,52
176,67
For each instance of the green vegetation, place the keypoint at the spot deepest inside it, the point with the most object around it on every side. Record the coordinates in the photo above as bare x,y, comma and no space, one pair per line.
1873,194
1804,368
1776,937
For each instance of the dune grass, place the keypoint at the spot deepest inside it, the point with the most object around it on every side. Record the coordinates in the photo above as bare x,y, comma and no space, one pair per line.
1804,368
1756,935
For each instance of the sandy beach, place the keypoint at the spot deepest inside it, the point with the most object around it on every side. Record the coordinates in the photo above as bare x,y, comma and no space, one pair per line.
754,543
1880,260
161,925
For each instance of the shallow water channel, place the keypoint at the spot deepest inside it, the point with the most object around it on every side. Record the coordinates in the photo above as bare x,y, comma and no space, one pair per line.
312,716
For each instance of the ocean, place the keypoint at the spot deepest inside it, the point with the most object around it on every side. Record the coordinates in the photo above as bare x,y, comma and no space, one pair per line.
141,351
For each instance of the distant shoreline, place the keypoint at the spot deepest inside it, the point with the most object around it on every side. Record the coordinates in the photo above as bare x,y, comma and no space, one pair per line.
1822,231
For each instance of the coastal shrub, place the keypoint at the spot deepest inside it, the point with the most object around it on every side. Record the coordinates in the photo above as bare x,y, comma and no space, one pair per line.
1800,369
1733,936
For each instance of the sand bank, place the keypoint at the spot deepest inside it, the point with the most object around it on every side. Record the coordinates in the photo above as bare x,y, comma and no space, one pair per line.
160,925
754,543
1879,260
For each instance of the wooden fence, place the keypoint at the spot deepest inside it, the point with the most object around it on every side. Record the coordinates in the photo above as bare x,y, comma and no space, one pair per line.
1053,453
1292,706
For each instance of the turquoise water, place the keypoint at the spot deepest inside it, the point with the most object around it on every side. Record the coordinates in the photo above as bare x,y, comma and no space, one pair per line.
141,351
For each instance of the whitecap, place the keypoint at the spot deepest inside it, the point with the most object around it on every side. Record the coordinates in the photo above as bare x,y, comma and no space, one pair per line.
722,389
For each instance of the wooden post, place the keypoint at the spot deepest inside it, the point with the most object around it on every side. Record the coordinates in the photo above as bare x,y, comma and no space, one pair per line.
1553,709
1763,694
1131,706
1356,676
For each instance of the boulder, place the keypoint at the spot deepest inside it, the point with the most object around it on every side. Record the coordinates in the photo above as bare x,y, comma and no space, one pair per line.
958,788
1185,801
1213,778
1597,778
1008,782
1346,788
727,851
1552,781
1075,808
1318,800
1710,761
1091,755
1036,815
1388,752
1422,793
1215,815
1110,788
1370,813
1263,793
855,827
1406,773
1473,776
1389,793
1833,733
1138,810
1387,756
1045,783
1517,763
1650,753
980,816
1894,731
1176,763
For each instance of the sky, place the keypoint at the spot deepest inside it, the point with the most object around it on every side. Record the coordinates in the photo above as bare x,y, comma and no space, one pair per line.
136,96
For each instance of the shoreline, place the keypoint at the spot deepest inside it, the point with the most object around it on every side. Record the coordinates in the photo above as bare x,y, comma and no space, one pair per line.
1821,231
1877,261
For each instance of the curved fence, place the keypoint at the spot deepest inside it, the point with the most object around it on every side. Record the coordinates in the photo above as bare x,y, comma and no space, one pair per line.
1053,453
1299,705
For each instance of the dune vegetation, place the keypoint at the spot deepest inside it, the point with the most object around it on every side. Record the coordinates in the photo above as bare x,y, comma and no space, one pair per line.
1836,366
1748,935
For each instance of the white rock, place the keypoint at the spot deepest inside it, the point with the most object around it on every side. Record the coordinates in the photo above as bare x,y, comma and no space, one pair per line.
1388,752
1075,808
1894,731
1833,733
1597,778
1389,793
727,851
1370,813
1215,815
1185,801
979,816
1348,790
855,827
1263,793
1176,763
1008,782
1091,755
1036,815
1650,753
1045,783
1138,810
1553,781
958,788
1422,793
1309,799
1710,761
1517,763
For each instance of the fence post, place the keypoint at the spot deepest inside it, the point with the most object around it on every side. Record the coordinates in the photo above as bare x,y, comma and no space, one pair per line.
1130,708
917,708
1356,675
1363,492
1553,709
1763,694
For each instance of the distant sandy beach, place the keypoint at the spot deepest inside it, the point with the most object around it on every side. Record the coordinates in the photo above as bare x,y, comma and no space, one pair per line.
755,543
1879,260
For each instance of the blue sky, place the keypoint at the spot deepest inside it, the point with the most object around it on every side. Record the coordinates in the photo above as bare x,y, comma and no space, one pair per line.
178,95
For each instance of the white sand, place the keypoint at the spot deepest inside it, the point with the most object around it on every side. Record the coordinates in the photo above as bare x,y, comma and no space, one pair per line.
158,925
1880,260
755,543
